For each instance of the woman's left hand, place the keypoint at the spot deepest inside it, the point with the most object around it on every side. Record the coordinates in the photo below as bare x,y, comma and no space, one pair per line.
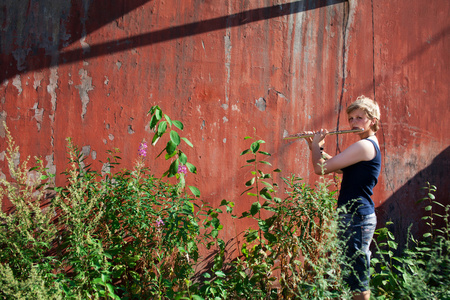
319,137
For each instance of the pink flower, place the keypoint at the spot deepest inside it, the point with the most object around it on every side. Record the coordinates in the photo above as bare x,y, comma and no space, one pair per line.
159,223
142,149
182,169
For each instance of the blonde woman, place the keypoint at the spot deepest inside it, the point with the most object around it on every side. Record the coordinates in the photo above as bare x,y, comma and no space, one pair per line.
360,165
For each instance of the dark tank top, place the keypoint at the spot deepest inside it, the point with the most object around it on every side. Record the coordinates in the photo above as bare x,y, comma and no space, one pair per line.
358,182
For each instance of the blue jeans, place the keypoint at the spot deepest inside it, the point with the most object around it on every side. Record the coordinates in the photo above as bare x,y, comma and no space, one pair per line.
357,232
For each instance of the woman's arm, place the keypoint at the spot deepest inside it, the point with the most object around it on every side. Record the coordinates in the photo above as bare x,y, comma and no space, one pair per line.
359,151
327,156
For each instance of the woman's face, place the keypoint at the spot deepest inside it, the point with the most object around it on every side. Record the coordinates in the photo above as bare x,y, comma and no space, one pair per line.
358,119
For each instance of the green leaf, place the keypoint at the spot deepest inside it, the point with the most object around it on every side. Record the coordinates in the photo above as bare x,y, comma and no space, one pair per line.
173,169
256,206
392,244
220,274
255,146
162,127
195,191
264,225
187,142
270,237
250,182
171,147
265,153
158,113
178,124
265,194
251,236
265,162
431,196
153,121
110,288
191,168
428,208
169,121
155,139
174,137
245,151
183,158
247,190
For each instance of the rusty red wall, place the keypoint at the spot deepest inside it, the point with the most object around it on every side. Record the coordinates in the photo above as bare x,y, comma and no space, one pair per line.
92,69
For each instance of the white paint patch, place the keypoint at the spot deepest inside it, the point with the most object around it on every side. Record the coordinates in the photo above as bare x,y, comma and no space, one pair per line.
225,119
38,76
86,150
17,82
224,106
83,89
228,47
50,163
51,87
111,137
106,169
85,46
3,115
38,115
234,107
224,140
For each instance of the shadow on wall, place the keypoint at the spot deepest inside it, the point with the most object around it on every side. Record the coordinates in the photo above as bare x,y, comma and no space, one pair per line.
402,207
33,37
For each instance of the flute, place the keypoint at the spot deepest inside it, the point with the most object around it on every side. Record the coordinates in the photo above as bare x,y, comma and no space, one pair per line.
297,136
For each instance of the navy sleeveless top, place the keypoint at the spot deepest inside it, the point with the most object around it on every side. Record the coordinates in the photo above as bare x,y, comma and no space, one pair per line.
357,184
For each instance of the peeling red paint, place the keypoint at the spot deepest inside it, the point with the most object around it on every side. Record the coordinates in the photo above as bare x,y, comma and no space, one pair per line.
223,70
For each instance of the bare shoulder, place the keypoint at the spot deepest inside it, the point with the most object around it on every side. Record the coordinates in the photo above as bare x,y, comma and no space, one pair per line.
365,148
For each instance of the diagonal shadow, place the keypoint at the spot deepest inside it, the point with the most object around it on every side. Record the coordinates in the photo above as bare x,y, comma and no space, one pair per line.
36,30
41,61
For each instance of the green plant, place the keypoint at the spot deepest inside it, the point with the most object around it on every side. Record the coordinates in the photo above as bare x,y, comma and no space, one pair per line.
422,270
292,251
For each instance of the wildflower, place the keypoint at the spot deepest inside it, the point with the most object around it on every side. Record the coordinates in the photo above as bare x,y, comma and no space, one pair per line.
142,149
159,223
182,169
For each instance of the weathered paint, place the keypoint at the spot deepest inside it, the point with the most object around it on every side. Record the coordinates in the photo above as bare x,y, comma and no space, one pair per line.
92,69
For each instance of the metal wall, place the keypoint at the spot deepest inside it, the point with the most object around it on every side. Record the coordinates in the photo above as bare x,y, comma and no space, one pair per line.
91,70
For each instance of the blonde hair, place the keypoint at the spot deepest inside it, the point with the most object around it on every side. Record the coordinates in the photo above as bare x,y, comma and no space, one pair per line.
370,107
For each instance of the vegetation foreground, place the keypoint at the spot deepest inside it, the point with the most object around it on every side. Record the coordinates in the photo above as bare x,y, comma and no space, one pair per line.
131,235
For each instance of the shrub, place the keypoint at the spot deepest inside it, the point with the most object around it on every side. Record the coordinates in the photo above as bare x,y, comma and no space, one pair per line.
127,234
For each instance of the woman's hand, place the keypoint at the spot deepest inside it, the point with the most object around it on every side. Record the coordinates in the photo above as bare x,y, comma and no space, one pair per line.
309,140
319,137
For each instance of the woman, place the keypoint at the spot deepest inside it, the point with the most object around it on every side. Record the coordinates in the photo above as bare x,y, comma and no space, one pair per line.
360,164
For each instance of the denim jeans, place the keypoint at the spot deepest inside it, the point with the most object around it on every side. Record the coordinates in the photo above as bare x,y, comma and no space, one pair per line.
357,232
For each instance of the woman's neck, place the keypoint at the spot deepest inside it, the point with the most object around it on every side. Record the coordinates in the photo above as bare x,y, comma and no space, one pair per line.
367,134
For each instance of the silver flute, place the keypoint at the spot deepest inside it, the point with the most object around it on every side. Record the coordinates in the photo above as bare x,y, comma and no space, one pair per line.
301,136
